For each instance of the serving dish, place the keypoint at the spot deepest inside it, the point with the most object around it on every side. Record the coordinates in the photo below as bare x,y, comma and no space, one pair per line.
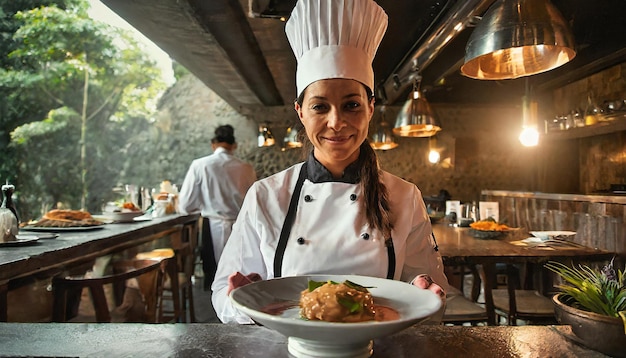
122,216
547,235
333,339
486,234
62,229
21,240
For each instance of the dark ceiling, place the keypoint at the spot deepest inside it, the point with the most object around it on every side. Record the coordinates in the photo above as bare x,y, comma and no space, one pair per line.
247,60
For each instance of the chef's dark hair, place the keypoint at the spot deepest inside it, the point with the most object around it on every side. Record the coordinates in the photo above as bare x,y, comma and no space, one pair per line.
376,196
224,134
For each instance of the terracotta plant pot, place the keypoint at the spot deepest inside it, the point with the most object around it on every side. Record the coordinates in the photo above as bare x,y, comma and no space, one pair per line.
599,332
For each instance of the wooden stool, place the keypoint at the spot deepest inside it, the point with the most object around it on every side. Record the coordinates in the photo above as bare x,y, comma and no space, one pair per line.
178,286
147,273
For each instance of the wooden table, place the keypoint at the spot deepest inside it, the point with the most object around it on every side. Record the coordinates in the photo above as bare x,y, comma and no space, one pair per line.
457,247
50,256
232,340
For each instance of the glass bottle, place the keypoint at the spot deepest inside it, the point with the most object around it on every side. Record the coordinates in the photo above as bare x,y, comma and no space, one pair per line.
7,201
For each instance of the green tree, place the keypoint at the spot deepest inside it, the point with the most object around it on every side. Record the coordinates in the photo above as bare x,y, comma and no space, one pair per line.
94,84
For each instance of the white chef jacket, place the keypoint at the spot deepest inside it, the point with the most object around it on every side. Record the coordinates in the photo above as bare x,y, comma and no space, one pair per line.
215,185
330,235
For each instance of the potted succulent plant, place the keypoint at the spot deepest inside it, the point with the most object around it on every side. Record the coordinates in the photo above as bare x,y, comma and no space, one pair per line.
593,302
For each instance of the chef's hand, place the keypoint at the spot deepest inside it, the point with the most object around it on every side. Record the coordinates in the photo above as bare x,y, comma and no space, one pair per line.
426,282
237,279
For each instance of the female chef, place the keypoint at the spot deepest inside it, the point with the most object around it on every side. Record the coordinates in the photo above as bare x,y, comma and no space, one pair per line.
338,212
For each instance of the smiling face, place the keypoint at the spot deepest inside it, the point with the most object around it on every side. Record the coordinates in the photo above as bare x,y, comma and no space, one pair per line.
336,114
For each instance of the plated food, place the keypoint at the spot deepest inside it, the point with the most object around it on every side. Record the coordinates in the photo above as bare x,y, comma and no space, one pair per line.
489,225
488,229
337,302
62,218
122,211
412,305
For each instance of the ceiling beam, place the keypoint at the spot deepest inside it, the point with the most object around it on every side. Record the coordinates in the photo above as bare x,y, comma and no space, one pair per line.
212,39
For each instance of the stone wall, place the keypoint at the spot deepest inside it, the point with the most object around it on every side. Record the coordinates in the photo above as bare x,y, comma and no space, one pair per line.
479,144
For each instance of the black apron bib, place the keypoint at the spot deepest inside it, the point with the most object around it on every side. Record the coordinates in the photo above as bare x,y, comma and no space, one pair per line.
288,224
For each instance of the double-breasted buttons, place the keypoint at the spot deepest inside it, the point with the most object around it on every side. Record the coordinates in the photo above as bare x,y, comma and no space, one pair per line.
308,198
353,197
365,236
300,241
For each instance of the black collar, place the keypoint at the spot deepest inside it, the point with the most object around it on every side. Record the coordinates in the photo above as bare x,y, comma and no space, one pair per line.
318,173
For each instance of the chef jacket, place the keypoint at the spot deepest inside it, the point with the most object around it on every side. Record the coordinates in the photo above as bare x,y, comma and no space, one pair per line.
330,233
216,185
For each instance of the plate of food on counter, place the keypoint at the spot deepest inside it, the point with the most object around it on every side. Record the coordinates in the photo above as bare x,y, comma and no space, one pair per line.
334,315
488,229
65,220
121,212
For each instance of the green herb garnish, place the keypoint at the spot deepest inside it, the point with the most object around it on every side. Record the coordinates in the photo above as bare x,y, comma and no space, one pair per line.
350,304
315,284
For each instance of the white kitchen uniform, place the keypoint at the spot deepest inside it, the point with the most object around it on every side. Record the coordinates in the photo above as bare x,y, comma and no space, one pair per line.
330,233
216,185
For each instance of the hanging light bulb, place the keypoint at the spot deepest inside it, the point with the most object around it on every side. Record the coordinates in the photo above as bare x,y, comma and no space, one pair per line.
433,153
518,38
265,138
416,118
529,137
382,136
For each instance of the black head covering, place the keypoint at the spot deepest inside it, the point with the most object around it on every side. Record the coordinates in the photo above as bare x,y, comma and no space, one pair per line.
224,134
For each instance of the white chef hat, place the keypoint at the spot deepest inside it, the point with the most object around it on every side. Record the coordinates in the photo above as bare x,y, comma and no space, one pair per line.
335,39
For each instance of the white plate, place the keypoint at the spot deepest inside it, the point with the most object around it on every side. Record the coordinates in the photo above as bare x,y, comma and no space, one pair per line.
122,216
21,240
332,338
546,235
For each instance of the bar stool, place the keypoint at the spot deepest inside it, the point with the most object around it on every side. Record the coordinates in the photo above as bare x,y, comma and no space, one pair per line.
178,287
148,275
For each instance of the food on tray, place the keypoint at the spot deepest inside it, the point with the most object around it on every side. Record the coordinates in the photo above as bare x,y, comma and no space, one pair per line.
489,225
66,218
337,302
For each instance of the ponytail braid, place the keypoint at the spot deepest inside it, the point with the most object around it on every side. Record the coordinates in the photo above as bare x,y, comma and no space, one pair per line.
375,192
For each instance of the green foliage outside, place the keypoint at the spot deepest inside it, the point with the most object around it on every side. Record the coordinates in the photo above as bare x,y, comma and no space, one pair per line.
75,92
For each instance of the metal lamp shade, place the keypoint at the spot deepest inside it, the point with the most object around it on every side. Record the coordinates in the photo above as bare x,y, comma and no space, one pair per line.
382,138
416,119
265,137
291,139
518,38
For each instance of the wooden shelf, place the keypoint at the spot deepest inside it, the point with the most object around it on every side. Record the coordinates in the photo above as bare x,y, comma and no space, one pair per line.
608,124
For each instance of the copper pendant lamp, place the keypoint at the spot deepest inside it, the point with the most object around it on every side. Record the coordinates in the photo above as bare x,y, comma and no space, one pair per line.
265,137
382,136
416,118
518,38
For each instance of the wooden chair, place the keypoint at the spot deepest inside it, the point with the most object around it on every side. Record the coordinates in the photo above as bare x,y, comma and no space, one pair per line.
460,309
147,273
178,287
514,303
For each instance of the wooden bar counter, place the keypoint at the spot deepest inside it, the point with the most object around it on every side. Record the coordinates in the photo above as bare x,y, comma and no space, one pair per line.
39,261
231,340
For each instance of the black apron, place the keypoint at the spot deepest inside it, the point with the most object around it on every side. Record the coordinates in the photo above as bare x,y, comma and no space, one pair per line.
288,224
